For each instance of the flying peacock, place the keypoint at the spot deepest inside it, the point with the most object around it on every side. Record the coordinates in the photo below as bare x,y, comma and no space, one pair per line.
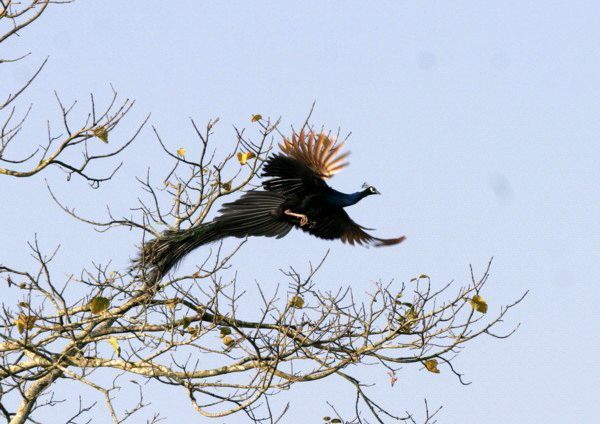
295,195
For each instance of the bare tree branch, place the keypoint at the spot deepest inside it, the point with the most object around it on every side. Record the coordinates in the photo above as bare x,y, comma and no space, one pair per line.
159,332
192,331
14,17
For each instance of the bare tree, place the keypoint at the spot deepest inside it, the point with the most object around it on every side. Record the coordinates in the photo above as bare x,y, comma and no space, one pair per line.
191,330
61,138
187,333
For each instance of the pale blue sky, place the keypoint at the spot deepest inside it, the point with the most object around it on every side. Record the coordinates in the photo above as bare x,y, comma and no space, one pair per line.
478,121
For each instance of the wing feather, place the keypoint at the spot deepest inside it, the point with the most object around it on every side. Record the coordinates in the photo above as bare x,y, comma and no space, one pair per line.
338,225
317,151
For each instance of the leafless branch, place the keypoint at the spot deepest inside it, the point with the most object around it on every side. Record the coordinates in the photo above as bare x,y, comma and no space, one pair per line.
299,334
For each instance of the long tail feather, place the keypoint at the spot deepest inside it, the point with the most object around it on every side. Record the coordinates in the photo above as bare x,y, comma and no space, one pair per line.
254,214
160,255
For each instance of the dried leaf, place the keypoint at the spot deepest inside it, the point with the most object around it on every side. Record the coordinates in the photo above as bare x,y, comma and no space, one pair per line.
101,133
228,340
412,280
172,303
115,345
181,152
431,365
185,323
336,421
24,305
226,186
479,304
245,157
25,322
409,320
256,118
98,305
296,302
411,314
393,377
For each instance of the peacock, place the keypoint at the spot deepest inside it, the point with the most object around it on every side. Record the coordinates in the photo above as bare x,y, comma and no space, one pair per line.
295,195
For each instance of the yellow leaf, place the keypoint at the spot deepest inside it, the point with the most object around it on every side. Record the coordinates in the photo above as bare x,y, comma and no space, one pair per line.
101,133
228,340
98,305
431,365
185,323
25,322
409,320
245,157
115,345
256,117
194,331
181,152
226,186
393,378
296,302
172,303
479,304
411,314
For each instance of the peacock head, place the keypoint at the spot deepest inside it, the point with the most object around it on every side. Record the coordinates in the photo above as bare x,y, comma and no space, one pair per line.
369,189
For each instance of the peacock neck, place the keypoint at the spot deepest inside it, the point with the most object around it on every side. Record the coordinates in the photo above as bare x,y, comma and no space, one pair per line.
337,198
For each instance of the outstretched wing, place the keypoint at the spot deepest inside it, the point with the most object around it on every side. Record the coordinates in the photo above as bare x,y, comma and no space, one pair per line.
338,225
306,161
253,214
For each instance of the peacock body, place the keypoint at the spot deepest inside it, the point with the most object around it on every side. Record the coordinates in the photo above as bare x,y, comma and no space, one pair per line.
295,195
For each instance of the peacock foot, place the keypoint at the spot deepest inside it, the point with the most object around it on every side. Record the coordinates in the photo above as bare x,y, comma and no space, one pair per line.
303,218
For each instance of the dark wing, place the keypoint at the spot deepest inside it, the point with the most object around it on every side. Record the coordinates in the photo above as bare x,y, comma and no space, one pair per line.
253,214
307,160
289,176
338,225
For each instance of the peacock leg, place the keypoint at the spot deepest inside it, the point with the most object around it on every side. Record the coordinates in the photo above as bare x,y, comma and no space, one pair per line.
303,218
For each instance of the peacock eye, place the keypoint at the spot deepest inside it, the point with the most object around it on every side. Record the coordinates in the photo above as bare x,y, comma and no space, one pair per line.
372,189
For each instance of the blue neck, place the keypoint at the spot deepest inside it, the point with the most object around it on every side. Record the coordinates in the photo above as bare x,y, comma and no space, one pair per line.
336,198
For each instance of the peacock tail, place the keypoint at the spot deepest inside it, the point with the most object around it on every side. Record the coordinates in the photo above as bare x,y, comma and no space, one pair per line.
163,253
250,215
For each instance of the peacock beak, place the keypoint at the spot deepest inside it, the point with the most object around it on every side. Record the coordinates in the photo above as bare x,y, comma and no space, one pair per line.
376,192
